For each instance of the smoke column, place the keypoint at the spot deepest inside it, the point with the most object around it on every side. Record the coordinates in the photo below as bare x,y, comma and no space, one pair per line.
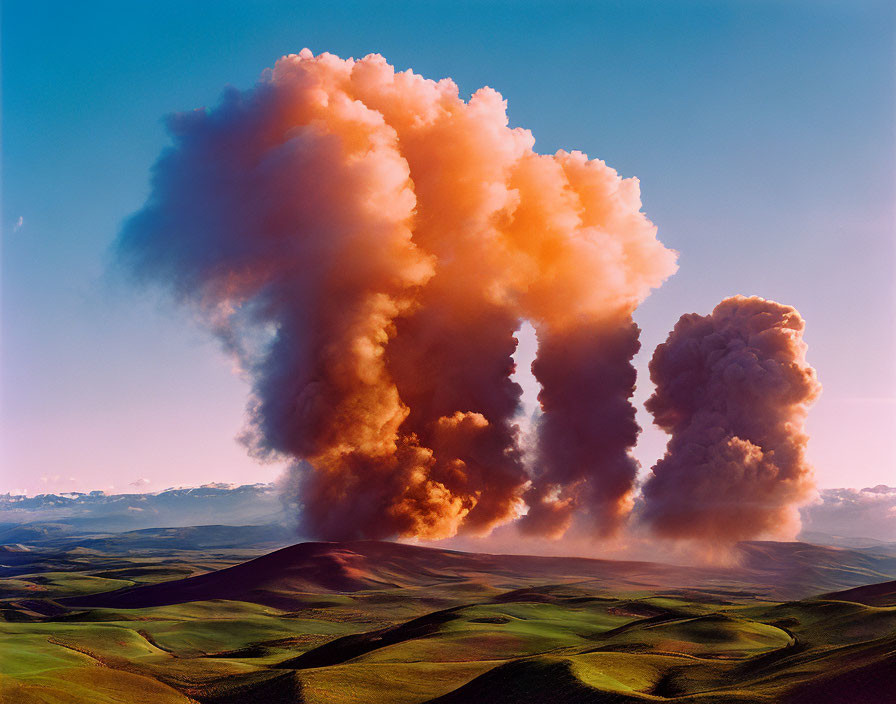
733,389
586,430
366,244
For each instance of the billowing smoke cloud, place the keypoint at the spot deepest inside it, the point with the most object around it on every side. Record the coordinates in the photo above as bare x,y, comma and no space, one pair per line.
367,244
587,428
733,389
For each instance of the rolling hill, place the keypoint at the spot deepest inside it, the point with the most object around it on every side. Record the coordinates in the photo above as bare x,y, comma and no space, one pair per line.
387,623
279,579
881,595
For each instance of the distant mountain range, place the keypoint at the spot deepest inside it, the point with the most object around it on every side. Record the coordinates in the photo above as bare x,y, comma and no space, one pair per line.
852,518
249,504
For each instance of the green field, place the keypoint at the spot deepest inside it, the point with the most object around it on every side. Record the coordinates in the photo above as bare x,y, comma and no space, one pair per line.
452,636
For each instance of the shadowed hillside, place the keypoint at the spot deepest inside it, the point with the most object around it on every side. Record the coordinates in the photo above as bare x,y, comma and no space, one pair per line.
387,623
782,570
882,595
274,579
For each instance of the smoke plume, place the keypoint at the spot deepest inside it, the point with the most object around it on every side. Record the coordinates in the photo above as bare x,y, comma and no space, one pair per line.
367,243
733,389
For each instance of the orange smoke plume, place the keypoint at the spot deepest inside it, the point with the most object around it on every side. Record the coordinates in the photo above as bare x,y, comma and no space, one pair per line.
733,389
367,244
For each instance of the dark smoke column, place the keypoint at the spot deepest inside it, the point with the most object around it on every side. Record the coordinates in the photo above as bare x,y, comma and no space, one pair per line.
587,428
733,389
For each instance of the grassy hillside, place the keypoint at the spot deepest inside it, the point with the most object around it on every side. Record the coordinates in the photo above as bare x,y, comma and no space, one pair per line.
385,623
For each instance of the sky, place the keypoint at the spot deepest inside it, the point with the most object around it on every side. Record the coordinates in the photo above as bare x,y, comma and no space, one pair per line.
762,134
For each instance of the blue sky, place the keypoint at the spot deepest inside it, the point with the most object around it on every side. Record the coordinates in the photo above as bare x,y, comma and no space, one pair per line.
762,133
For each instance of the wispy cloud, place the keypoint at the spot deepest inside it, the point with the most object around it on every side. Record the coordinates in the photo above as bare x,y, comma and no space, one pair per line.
868,513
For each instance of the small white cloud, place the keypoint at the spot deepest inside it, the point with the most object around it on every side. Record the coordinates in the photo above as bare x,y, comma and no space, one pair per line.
142,481
19,223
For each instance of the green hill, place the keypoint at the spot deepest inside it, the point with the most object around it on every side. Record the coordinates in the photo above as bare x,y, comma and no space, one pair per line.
384,623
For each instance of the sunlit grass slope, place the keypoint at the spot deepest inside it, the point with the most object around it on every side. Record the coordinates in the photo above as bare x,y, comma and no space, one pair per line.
412,626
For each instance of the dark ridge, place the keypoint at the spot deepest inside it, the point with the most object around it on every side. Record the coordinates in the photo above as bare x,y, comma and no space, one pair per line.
569,594
882,594
147,636
18,616
670,684
642,609
772,661
265,647
263,687
527,594
311,604
352,646
874,682
620,648
491,619
829,664
589,599
532,681
785,623
43,607
640,623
